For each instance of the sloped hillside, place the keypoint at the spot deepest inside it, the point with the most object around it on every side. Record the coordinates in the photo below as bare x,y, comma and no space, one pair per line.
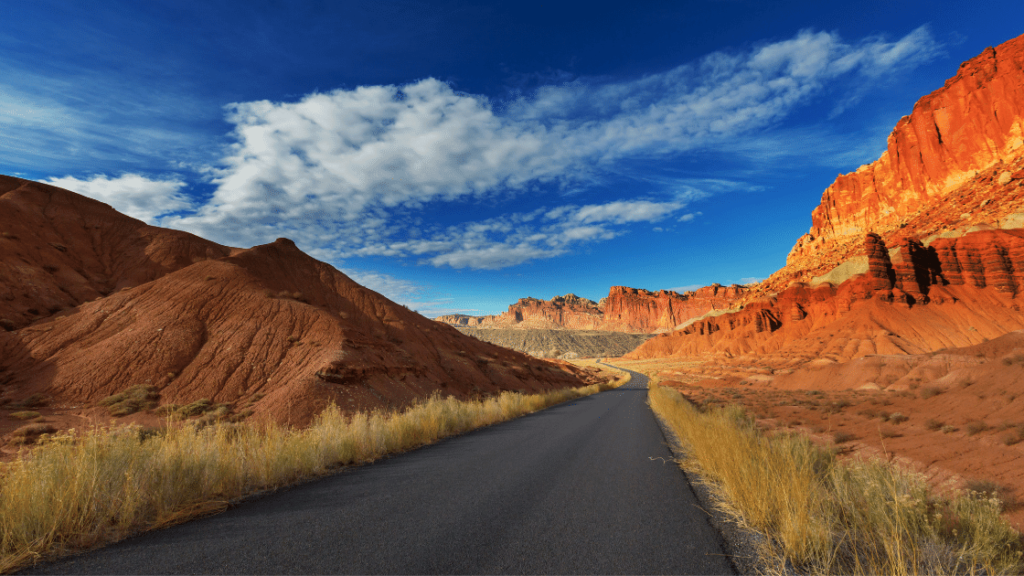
94,303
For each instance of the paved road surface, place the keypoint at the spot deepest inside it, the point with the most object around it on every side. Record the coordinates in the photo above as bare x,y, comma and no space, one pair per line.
586,487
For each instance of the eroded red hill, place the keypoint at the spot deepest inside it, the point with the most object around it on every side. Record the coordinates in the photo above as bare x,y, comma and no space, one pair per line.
95,302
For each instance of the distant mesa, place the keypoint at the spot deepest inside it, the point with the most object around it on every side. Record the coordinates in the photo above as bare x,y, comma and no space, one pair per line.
93,303
623,310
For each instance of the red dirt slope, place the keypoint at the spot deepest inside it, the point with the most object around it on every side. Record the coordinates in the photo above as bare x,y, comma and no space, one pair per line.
95,302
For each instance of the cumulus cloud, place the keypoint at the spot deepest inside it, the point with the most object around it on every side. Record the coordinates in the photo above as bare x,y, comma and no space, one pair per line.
336,170
132,194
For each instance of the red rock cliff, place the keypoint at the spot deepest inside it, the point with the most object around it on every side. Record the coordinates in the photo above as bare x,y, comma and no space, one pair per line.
624,310
951,292
972,127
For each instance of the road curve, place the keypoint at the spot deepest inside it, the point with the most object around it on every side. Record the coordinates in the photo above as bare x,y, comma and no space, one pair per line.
585,487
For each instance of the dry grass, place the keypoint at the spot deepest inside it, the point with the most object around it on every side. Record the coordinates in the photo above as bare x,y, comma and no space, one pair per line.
25,415
78,490
821,515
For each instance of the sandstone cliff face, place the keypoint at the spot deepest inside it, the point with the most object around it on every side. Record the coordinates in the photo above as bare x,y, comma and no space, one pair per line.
951,292
631,309
94,302
972,123
624,310
961,145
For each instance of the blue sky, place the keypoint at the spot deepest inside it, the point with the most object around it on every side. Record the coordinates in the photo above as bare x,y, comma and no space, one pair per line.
457,156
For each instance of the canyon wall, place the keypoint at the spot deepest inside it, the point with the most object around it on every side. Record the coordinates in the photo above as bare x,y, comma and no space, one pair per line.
921,250
623,310
962,139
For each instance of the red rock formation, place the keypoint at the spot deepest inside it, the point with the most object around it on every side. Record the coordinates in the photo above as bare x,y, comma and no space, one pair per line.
634,310
970,124
95,302
624,310
955,162
934,307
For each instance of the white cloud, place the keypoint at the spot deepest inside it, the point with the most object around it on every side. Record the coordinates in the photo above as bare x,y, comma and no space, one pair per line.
410,294
687,288
131,194
751,280
518,237
336,171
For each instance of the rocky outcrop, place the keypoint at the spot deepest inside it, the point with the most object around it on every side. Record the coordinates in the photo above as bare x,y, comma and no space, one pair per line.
624,310
972,123
94,302
955,162
636,310
464,320
914,299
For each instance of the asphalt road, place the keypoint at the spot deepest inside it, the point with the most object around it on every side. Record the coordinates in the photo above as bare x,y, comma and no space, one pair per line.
585,487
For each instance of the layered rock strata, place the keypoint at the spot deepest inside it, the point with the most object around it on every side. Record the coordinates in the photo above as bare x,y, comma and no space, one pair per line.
624,310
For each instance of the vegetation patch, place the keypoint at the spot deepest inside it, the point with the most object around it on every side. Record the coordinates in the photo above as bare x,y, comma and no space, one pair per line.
823,515
25,415
80,490
33,401
30,433
132,400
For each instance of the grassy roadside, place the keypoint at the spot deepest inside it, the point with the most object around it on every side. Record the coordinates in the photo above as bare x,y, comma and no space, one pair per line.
821,515
77,491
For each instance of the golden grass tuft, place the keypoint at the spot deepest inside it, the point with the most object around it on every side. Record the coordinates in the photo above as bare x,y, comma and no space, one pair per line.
79,489
821,515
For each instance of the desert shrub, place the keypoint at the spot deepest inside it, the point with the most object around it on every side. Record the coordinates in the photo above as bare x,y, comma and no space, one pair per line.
843,437
889,432
898,417
975,427
837,406
195,408
25,415
933,424
33,401
31,433
930,391
132,400
255,398
7,324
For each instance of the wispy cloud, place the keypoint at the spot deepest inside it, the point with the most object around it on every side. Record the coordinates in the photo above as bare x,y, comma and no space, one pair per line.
516,238
411,294
132,194
339,171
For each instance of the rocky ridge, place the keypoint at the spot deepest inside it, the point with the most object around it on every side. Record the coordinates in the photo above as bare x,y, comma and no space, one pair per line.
625,309
93,303
919,251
